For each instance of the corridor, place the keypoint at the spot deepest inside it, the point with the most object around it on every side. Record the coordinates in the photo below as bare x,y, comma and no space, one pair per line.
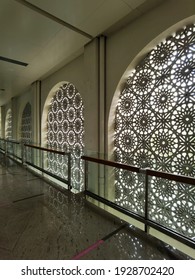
40,221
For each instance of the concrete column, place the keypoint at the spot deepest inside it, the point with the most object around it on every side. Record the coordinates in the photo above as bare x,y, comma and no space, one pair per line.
95,105
101,113
36,113
91,97
95,68
102,95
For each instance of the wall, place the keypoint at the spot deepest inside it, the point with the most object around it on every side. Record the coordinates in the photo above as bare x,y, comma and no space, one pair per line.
127,46
83,73
100,93
72,73
122,48
22,100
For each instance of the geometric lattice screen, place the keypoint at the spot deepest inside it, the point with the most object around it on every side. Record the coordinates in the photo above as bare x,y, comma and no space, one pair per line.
155,128
26,124
65,132
8,124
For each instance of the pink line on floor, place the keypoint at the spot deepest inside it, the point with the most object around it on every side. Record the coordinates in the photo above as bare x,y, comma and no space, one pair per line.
89,249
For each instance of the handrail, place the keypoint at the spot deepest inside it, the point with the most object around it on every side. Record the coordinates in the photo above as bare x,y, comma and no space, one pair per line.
68,154
11,141
145,218
46,149
11,153
112,164
147,171
24,160
34,146
172,176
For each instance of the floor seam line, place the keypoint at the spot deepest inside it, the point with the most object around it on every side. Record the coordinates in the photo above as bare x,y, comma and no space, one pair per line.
29,197
98,243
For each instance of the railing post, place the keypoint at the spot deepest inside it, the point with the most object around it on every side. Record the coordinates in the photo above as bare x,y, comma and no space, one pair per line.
144,171
146,203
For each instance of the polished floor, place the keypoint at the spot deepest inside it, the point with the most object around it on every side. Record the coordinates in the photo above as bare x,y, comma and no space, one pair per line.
38,221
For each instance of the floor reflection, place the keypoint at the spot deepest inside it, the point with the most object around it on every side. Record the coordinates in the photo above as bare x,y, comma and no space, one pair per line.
40,221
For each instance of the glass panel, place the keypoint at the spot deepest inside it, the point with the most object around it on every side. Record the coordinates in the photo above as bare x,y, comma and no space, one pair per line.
34,156
56,164
10,148
122,187
77,172
172,205
130,190
2,144
19,151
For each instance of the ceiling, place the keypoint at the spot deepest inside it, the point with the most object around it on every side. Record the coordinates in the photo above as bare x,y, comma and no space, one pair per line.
38,37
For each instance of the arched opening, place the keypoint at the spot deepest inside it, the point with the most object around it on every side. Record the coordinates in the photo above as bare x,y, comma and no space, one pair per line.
26,124
154,126
8,124
65,131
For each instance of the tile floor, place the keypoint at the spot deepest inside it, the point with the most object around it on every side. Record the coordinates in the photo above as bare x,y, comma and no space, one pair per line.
39,221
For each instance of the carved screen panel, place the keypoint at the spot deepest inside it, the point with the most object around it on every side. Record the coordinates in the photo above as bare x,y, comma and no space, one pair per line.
8,125
26,125
155,128
66,131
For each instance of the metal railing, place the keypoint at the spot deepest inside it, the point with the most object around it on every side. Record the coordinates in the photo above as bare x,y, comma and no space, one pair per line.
2,145
11,149
36,157
145,218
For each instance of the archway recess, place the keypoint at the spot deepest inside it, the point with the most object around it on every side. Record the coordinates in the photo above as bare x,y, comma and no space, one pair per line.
65,131
154,126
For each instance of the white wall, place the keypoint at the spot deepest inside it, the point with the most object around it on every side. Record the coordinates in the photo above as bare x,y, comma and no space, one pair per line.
21,102
122,47
72,72
82,73
128,46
